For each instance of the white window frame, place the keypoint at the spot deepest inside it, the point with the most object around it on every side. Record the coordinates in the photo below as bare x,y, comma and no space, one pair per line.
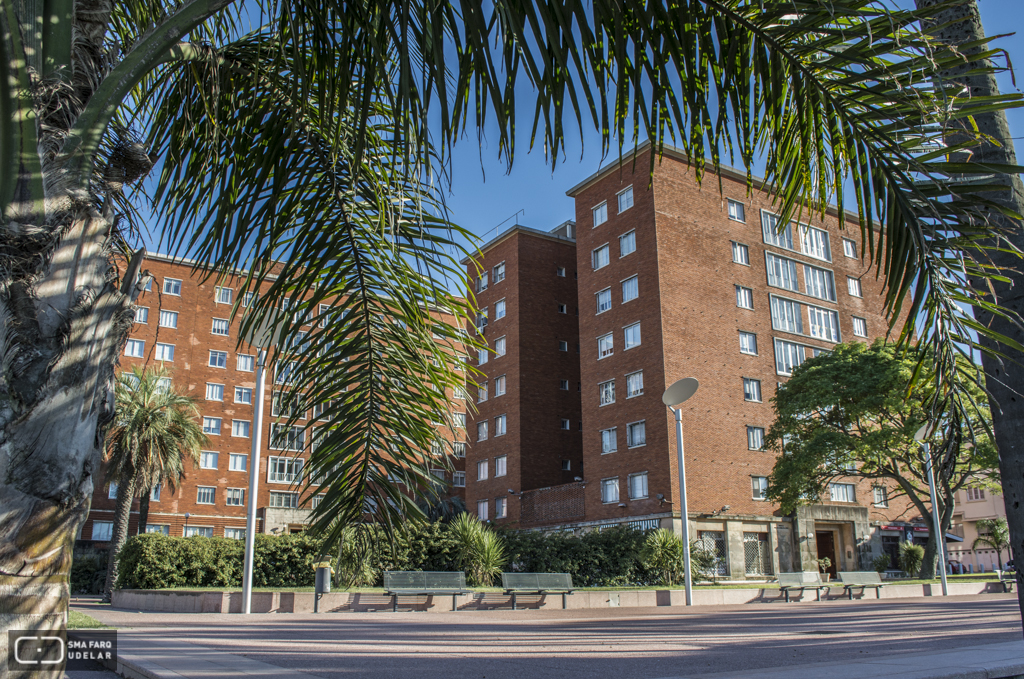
610,337
611,436
565,424
607,486
770,234
500,508
221,323
133,346
624,194
218,353
606,393
482,430
631,434
853,287
785,367
249,359
820,330
759,487
787,314
499,309
172,286
222,292
162,350
144,320
755,437
850,248
481,510
242,391
603,300
630,238
212,426
880,496
594,258
630,482
483,470
459,479
278,442
829,279
742,211
600,213
500,425
751,387
233,459
809,232
560,271
635,279
563,345
293,469
206,495
106,532
740,253
744,297
482,281
860,326
500,466
233,494
499,386
748,335
783,272
168,319
842,492
237,425
212,391
626,331
498,272
276,496
631,379
499,347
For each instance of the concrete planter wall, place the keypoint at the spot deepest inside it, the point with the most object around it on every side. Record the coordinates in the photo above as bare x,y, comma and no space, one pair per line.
185,601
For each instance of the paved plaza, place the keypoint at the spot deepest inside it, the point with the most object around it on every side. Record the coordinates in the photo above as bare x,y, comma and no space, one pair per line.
925,637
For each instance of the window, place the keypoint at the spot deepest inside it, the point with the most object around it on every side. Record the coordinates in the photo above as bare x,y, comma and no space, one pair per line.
500,466
600,214
636,434
218,359
600,257
481,320
772,235
481,470
284,437
781,272
499,309
220,327
284,469
563,385
562,309
248,298
566,465
609,490
459,479
605,346
736,211
635,384
849,248
481,510
206,495
102,531
755,438
788,355
238,462
246,363
625,199
880,496
234,533
481,431
481,392
860,327
240,428
459,448
243,395
748,343
607,392
500,505
172,286
499,425
161,528
819,283
234,497
853,287
842,492
154,492
560,271
499,386
460,420
751,390
564,424
632,335
759,487
815,243
604,300
563,346
499,272
142,314
198,532
627,243
824,323
135,348
481,282
112,491
744,297
163,384
214,392
164,352
222,295
740,253
284,500
786,315
973,494
499,346
482,356
630,289
638,486
211,425
609,440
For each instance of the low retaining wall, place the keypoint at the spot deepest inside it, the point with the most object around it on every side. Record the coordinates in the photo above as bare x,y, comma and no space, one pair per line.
185,601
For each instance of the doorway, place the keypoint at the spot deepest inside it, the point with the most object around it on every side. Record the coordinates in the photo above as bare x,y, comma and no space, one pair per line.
826,543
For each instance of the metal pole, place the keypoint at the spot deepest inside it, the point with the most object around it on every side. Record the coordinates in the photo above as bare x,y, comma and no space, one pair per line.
940,538
684,515
254,480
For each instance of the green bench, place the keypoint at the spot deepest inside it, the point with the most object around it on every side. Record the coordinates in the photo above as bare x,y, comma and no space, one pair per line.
419,583
1007,583
862,579
801,581
536,583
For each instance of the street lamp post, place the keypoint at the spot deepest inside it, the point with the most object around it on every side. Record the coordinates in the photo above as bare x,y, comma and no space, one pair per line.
674,397
186,523
923,433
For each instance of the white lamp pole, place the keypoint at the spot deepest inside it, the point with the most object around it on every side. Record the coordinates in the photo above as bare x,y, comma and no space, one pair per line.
923,433
674,397
254,479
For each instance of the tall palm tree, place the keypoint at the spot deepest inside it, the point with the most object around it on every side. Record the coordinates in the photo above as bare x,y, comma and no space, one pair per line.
155,430
317,132
995,533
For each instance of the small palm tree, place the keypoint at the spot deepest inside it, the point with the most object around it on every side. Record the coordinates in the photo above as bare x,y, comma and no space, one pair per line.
155,430
994,533
481,551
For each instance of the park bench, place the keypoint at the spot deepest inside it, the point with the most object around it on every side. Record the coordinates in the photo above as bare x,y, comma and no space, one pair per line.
537,583
413,583
863,579
801,581
1007,582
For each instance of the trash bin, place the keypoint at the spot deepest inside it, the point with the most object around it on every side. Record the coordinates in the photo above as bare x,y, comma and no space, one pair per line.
323,585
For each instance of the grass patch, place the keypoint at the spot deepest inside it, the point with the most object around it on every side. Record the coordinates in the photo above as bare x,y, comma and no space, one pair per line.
79,620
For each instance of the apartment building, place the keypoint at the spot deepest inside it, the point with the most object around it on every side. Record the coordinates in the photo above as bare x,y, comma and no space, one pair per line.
973,505
525,432
184,324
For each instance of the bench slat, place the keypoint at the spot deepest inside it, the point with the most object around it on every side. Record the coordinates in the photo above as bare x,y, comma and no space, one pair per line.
424,580
861,578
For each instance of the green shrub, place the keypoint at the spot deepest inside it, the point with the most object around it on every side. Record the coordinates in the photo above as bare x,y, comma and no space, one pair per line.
88,575
911,558
881,563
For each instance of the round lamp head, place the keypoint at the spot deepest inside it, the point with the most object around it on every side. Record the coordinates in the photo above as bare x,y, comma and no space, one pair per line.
680,391
925,431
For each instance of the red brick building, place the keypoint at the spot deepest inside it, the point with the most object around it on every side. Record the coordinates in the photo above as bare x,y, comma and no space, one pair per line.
184,323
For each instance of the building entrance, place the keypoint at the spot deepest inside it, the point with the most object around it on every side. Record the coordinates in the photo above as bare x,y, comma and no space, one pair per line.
826,542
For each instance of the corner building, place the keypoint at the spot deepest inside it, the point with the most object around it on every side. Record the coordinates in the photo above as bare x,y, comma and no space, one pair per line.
677,280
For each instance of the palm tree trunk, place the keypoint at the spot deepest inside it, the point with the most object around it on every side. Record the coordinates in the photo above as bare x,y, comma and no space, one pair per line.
122,514
143,510
1005,378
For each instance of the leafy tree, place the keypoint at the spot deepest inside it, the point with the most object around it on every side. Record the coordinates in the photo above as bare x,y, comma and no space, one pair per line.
481,551
155,431
995,533
302,131
846,415
663,553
